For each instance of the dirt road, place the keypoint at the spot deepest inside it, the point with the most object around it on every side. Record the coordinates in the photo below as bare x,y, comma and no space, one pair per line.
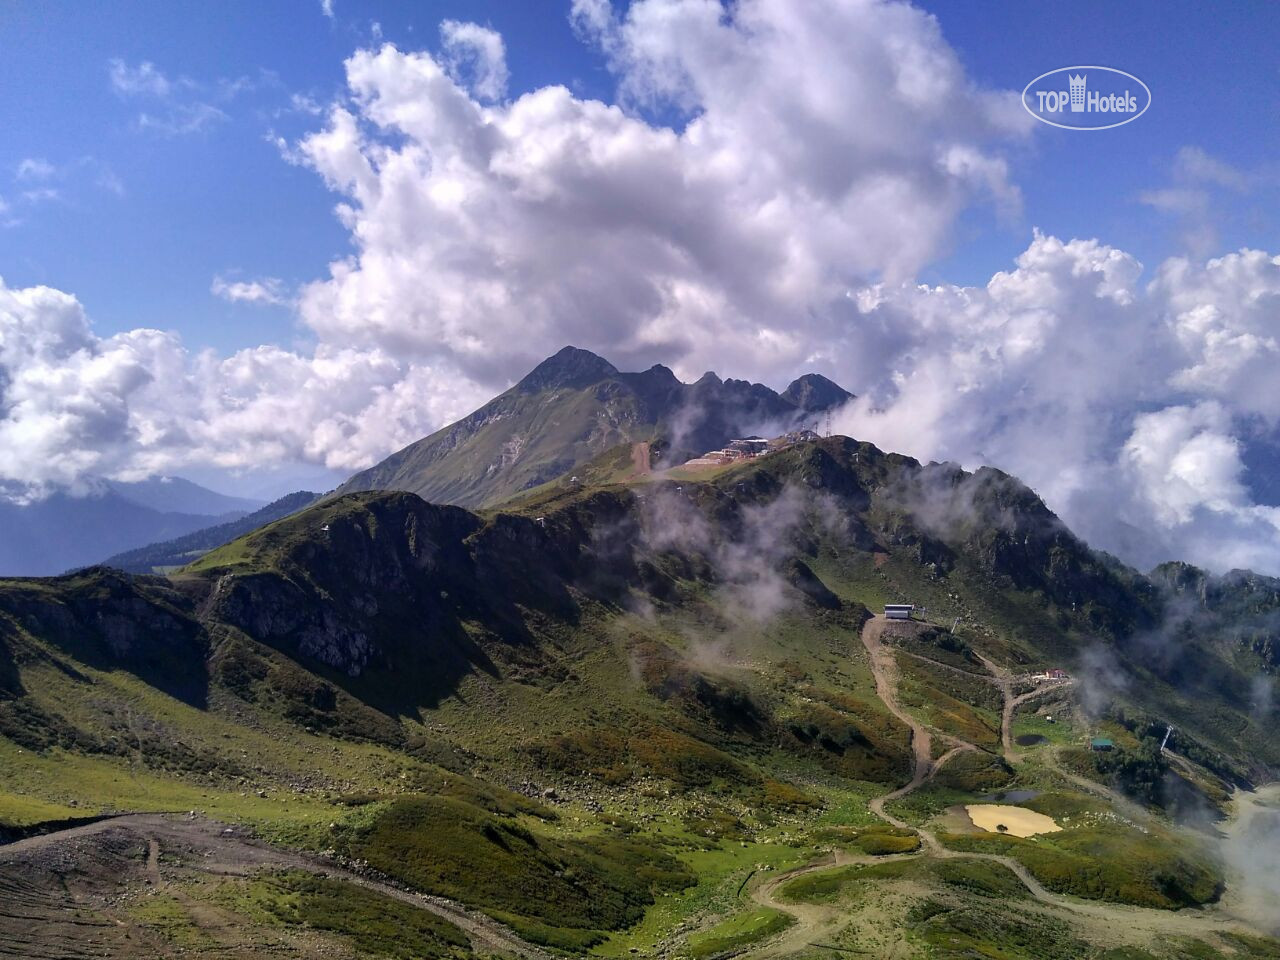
1116,923
212,849
885,670
1011,705
1133,919
814,921
811,918
640,458
1122,924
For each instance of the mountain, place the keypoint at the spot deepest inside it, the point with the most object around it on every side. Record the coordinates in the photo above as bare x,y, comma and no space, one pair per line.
814,393
60,532
575,405
1239,610
183,550
653,717
176,495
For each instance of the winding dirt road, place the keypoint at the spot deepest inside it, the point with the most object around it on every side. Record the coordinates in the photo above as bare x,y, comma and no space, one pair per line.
1003,678
813,920
885,670
1125,923
809,917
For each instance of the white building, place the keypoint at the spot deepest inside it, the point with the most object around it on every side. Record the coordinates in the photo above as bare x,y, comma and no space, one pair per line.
898,611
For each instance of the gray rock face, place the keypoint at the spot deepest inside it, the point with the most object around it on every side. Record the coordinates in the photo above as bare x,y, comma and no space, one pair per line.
128,623
281,614
371,582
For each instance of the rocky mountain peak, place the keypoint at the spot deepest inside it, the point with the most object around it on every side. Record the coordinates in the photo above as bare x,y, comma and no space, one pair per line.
813,392
571,367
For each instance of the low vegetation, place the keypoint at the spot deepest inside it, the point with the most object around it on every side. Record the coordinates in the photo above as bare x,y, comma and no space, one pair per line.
589,733
375,925
824,886
975,771
558,891
962,932
877,839
737,932
1108,862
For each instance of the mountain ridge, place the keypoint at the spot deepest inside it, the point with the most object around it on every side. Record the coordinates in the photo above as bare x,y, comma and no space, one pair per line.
563,711
573,406
597,710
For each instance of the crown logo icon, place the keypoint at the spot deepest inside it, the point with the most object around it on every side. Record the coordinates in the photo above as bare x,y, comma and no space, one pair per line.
1077,92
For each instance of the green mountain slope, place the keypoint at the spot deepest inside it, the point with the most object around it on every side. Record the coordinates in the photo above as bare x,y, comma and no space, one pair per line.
574,406
605,714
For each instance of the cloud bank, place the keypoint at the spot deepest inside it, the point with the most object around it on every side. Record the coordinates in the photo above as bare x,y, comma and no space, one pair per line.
1126,406
688,224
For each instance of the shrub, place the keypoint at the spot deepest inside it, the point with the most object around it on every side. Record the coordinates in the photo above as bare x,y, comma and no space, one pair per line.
738,931
975,771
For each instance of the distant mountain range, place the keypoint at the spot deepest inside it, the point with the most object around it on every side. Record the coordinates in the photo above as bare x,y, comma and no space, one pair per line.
62,532
176,495
575,405
155,557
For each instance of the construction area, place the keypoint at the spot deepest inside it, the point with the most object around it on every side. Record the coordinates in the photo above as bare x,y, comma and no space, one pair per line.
749,448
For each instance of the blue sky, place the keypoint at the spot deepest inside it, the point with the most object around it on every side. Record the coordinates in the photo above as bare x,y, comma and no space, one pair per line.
348,246
1214,85
145,218
217,199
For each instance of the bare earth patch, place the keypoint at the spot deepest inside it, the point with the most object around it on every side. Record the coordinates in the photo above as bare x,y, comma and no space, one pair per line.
1018,821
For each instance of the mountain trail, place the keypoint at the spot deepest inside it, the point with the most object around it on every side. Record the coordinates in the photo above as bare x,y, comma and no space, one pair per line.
640,458
1011,705
813,920
885,670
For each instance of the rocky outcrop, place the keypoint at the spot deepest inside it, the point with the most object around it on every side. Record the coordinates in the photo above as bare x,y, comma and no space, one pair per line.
112,620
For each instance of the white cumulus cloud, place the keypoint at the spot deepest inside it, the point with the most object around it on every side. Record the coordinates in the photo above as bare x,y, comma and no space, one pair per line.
144,79
74,405
476,57
493,234
1126,406
268,290
758,200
